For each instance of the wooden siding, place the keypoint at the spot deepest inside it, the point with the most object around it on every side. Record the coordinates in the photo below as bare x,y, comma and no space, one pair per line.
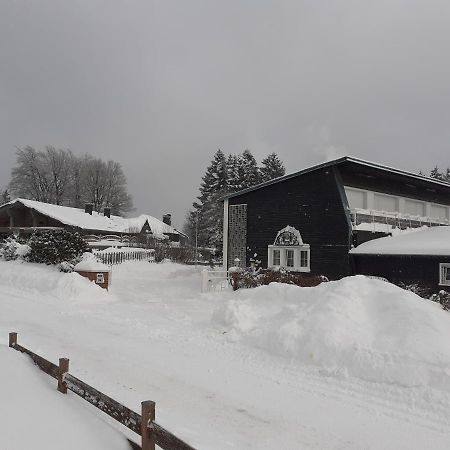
311,203
408,269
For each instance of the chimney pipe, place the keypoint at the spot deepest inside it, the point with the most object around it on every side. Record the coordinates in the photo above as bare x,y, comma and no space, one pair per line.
167,219
88,208
107,212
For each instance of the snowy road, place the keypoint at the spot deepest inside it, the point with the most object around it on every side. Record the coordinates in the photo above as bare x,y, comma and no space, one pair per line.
152,337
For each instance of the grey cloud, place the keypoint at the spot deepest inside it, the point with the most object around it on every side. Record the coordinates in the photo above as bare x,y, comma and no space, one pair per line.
160,85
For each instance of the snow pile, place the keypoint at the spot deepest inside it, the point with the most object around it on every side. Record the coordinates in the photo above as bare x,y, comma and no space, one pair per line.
51,420
46,281
89,263
357,326
429,241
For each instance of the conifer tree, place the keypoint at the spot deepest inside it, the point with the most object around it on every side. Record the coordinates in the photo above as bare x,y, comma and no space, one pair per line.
248,170
272,167
234,182
5,197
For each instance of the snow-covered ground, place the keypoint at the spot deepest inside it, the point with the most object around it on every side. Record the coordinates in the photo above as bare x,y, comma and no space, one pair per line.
353,364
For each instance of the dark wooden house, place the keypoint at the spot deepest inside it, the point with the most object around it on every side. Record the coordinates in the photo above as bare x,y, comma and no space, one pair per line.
23,216
309,221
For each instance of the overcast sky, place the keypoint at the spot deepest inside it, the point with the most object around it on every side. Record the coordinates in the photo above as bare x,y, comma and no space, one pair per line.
160,85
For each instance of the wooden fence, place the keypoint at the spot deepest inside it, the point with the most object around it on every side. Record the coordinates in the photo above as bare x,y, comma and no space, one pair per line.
142,424
117,257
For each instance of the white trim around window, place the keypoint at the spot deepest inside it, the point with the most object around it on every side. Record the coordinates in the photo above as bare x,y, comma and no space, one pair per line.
295,258
444,274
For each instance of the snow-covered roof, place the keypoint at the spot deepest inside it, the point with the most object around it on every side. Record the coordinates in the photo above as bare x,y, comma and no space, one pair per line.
96,221
429,241
336,162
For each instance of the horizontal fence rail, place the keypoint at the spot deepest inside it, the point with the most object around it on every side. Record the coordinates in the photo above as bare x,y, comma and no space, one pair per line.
142,424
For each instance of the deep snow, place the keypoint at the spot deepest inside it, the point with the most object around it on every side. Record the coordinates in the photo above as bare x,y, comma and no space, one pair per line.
347,365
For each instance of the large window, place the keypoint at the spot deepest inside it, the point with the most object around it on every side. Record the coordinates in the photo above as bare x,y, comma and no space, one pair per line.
385,203
444,274
356,198
415,208
289,252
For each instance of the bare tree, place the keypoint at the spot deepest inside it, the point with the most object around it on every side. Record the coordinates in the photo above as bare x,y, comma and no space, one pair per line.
57,176
59,164
31,178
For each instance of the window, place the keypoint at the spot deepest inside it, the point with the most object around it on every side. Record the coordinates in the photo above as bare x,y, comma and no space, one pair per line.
289,251
276,257
444,275
290,258
304,258
385,203
438,212
356,199
415,208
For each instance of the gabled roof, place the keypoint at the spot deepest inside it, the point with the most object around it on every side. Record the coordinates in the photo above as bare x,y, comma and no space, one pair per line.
429,241
337,162
76,217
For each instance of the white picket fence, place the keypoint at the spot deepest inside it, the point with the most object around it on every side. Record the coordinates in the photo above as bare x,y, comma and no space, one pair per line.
111,257
214,280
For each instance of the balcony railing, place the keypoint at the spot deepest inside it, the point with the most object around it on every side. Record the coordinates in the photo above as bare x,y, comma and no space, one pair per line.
386,221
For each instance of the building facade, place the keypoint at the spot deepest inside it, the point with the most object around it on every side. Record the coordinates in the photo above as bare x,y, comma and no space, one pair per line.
310,220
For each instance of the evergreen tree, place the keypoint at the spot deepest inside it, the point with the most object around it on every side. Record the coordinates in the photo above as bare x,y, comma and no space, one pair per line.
272,167
234,182
248,170
434,173
5,197
207,215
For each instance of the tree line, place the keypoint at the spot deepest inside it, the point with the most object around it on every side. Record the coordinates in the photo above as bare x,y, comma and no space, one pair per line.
224,175
58,176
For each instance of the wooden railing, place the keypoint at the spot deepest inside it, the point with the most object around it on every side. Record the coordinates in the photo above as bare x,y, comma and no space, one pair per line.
142,424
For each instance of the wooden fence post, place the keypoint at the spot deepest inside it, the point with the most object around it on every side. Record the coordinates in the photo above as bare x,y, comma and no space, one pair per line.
12,339
148,417
63,369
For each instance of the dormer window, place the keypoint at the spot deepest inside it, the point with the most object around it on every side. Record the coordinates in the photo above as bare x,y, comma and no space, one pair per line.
289,252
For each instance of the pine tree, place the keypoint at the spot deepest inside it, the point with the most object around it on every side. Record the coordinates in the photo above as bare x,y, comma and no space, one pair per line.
207,213
248,170
234,182
272,167
5,197
434,173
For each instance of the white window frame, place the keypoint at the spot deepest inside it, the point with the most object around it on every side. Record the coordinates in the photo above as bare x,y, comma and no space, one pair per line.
444,270
297,249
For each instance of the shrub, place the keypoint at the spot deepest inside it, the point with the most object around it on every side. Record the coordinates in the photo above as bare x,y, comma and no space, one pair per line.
12,249
54,247
443,298
250,279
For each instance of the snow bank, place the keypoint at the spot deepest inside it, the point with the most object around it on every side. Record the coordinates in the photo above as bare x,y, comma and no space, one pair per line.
357,326
90,263
51,420
44,281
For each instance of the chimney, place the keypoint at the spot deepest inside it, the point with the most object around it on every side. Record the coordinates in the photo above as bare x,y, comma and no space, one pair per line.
88,208
107,212
167,219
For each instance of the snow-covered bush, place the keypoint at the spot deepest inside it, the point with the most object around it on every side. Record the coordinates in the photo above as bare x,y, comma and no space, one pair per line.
252,279
54,247
66,267
12,249
443,298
